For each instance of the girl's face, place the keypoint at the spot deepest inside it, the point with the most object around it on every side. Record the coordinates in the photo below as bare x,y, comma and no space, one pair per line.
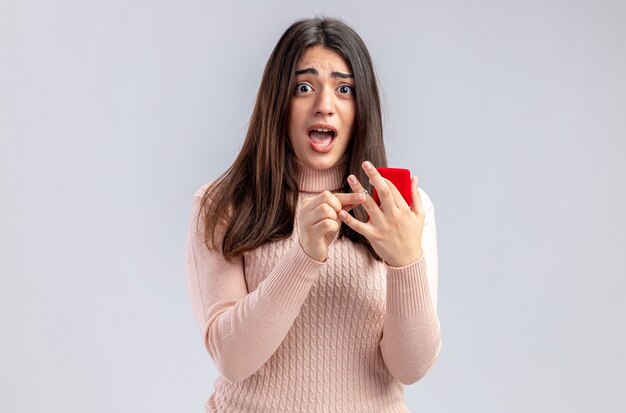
322,110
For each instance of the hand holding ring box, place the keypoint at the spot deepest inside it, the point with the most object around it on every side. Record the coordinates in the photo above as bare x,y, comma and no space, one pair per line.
401,178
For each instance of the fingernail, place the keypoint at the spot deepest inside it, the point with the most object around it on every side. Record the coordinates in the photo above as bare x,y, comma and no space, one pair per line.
367,165
352,179
342,214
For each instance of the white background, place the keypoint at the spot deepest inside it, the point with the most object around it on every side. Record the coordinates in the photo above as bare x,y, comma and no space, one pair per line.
513,114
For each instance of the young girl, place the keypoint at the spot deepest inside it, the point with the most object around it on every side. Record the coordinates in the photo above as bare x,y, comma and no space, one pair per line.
309,296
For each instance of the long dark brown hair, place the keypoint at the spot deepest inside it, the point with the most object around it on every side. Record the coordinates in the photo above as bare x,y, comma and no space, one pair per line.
254,201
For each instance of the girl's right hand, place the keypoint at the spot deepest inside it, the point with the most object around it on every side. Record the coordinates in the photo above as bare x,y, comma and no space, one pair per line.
319,222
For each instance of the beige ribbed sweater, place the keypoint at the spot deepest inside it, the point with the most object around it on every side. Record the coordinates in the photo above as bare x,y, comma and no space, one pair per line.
291,334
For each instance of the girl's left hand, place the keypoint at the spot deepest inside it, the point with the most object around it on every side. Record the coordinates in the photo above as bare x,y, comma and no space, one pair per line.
394,229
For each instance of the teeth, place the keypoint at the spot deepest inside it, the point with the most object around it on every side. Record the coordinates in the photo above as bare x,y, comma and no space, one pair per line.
322,130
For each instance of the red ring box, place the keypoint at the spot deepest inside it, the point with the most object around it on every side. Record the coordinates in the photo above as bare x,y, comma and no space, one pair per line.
401,178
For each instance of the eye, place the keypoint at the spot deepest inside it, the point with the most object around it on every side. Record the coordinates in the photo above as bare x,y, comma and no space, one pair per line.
346,90
303,88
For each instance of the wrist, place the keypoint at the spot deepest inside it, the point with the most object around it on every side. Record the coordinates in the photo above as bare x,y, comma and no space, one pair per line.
321,258
405,261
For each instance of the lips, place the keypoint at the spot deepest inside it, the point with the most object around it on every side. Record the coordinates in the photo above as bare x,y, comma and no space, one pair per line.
322,137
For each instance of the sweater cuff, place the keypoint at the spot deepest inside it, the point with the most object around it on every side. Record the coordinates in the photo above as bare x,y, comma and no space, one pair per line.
291,280
408,293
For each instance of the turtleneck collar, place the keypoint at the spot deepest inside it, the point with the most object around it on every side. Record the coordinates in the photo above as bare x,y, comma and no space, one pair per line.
331,179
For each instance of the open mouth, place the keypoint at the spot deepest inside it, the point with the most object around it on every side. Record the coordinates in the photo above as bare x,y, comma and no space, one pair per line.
322,138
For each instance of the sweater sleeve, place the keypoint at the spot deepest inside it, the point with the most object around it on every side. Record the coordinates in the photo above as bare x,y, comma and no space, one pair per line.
242,330
411,337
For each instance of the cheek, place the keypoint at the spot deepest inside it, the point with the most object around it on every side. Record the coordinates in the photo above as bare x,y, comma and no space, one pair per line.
293,123
295,117
293,130
348,108
349,117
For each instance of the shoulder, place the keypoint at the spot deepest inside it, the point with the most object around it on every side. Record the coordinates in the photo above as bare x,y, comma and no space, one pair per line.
427,202
198,201
211,187
208,195
202,190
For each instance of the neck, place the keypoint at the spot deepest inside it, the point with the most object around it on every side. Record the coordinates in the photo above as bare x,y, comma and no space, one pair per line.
313,180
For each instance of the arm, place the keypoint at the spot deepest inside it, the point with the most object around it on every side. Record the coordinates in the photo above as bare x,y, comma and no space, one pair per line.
411,340
405,238
242,330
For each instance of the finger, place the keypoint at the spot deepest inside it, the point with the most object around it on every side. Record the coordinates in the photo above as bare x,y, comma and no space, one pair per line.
369,204
349,201
397,196
416,206
360,227
325,226
330,199
322,212
384,192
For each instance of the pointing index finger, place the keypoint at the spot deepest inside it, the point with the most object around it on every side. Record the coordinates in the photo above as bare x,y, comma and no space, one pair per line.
349,201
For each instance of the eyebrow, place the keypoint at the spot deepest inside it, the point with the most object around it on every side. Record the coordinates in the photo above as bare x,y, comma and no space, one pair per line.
332,74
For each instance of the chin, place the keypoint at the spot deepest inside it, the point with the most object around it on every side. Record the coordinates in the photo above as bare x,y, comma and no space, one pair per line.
322,164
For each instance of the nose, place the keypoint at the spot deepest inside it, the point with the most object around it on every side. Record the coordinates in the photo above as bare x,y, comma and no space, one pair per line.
324,103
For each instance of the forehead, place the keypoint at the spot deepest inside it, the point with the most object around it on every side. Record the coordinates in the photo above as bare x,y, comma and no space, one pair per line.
322,58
